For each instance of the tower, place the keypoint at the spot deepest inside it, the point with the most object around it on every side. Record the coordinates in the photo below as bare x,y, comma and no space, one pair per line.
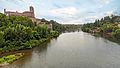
32,11
4,11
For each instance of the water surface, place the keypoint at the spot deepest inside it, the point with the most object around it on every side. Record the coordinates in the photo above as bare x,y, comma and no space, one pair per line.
72,50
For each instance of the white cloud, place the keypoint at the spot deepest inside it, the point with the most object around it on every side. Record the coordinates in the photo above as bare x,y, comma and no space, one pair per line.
86,18
110,12
23,0
102,3
106,1
67,11
72,15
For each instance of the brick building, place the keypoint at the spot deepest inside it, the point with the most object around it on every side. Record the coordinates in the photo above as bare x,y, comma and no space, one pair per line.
29,14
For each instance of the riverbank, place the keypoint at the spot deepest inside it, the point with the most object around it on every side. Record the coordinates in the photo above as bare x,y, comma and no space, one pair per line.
75,49
107,28
34,43
107,36
29,45
22,33
6,60
17,54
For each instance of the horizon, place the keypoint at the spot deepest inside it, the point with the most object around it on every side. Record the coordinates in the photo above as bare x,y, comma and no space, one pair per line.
69,12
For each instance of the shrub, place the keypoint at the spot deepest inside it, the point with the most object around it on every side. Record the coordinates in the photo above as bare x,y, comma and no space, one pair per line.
116,34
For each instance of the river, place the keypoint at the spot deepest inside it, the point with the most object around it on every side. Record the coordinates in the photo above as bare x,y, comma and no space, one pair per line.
72,50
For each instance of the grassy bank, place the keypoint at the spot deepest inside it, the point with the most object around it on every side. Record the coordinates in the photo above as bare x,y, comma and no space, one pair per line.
10,58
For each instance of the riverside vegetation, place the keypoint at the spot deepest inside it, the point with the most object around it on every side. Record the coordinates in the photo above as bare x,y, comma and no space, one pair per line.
10,58
107,27
17,33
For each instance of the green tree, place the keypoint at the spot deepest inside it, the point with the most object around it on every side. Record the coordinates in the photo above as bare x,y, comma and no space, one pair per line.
2,40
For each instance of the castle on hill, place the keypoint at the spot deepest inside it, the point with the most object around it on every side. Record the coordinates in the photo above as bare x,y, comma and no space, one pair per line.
30,14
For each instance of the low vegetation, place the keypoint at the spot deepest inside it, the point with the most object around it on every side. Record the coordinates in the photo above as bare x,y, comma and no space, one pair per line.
10,58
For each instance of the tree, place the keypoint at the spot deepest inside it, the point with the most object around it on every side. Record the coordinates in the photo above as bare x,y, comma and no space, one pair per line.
106,28
2,40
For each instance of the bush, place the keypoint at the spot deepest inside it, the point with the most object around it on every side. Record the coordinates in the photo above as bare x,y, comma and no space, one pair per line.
116,34
31,44
54,34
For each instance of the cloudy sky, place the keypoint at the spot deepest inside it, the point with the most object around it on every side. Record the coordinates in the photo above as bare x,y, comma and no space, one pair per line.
65,11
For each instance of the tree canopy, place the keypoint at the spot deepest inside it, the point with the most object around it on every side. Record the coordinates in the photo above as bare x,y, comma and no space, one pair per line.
17,32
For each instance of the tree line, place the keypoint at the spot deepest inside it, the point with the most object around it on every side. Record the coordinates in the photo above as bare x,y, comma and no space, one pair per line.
62,27
72,27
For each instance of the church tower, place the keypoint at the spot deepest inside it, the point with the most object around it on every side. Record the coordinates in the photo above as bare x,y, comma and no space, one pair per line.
5,11
32,11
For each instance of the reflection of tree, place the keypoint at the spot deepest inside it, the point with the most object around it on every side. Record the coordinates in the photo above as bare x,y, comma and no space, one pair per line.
41,48
30,56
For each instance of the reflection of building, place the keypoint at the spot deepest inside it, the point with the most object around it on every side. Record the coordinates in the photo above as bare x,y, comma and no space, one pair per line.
29,14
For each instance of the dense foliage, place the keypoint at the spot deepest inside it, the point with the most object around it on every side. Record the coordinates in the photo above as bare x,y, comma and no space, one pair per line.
107,26
18,32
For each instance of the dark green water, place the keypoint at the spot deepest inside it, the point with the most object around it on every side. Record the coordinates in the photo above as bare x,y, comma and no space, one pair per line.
72,50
